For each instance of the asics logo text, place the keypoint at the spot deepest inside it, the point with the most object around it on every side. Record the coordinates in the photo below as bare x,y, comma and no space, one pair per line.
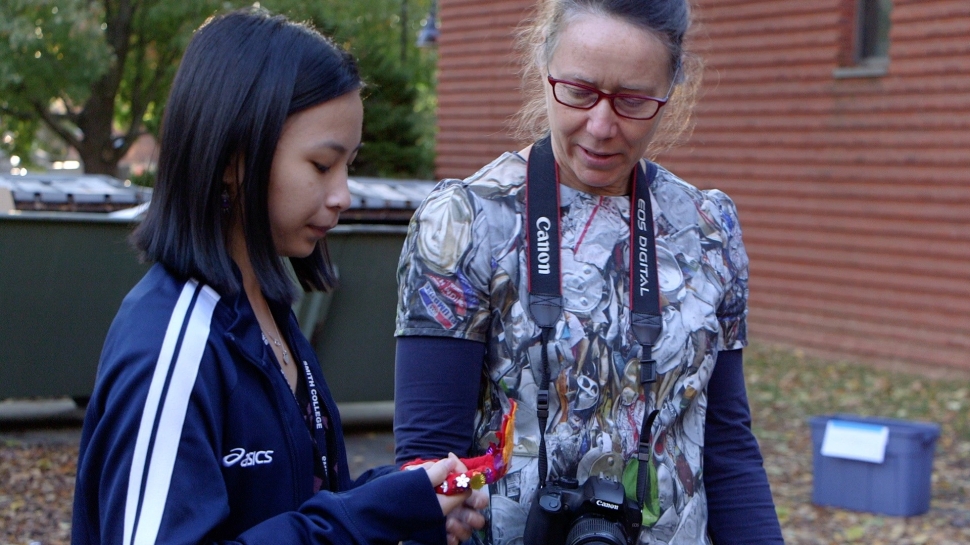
246,459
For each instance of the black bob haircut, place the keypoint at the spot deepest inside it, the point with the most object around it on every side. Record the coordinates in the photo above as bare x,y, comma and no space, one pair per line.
242,75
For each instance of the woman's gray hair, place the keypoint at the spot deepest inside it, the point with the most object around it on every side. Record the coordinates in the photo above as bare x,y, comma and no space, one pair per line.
668,20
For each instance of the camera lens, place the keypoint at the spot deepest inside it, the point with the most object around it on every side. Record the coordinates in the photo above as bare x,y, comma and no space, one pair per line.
595,531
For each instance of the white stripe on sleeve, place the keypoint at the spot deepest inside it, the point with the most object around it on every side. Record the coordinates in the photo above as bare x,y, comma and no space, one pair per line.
156,447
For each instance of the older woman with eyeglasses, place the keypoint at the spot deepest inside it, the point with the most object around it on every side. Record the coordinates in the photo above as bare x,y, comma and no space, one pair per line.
602,294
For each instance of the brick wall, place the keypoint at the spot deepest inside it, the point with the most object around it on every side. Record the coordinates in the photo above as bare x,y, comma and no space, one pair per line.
854,193
478,82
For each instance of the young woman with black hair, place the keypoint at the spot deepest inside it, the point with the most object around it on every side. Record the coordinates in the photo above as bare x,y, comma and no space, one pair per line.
210,419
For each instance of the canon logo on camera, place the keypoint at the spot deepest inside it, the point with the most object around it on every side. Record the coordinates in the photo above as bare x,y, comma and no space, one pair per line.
607,505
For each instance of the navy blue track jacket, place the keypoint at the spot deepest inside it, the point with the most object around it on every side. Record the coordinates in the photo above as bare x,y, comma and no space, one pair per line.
192,435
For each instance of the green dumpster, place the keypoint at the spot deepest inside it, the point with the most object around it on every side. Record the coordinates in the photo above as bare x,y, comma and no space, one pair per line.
62,278
353,330
64,274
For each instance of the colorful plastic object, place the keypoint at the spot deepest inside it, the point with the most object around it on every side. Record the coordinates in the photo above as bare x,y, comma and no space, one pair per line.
484,469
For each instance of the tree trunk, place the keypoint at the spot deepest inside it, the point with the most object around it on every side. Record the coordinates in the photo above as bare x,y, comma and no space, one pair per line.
97,149
98,159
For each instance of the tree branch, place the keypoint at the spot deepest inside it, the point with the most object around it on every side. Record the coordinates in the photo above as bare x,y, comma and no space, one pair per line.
71,115
55,126
137,92
15,113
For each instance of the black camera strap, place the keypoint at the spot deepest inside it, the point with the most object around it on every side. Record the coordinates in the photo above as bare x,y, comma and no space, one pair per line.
545,284
545,276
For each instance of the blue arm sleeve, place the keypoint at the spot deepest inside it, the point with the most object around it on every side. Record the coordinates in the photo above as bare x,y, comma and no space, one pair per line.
740,507
396,506
436,387
195,507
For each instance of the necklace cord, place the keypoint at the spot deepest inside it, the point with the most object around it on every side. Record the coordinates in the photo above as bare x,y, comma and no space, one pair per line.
277,342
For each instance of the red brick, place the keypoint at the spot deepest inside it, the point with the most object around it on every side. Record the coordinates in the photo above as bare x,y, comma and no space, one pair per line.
853,193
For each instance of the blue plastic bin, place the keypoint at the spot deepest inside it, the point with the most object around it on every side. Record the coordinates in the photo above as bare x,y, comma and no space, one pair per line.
899,486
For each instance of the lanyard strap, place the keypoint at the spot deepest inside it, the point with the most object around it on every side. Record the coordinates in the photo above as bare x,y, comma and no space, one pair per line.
545,283
318,431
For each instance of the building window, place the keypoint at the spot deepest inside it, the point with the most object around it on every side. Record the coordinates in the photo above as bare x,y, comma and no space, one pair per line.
873,31
867,43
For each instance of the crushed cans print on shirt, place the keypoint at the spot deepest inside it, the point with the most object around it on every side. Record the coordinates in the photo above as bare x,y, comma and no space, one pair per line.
463,273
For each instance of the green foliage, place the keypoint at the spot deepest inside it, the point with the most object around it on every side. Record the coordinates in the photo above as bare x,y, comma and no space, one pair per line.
50,53
399,98
145,179
160,33
96,73
17,138
50,48
97,76
394,130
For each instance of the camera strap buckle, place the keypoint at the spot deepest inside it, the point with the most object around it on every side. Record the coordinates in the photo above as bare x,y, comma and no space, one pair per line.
648,370
542,405
644,453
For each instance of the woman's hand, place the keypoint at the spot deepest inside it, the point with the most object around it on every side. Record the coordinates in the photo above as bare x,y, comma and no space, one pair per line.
466,518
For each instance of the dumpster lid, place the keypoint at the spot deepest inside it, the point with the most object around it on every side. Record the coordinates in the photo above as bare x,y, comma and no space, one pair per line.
373,200
73,192
384,200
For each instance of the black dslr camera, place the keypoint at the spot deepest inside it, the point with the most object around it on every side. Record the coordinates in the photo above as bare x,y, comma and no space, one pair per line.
597,513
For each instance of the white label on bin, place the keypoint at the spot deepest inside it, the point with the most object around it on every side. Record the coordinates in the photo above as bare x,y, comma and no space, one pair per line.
855,441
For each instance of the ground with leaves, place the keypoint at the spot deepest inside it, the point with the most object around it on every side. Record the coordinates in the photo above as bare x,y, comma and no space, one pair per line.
785,389
36,492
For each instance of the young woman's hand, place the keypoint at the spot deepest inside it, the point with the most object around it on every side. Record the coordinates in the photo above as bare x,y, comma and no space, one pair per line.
460,510
438,472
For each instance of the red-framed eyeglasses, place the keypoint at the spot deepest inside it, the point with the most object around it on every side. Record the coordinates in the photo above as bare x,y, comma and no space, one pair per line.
585,97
